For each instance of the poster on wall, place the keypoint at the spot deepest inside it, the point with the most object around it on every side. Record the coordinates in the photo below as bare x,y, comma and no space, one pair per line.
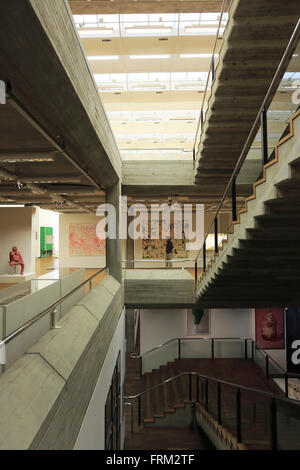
269,328
83,241
293,340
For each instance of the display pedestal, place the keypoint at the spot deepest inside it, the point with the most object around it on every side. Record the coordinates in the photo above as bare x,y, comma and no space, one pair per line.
15,278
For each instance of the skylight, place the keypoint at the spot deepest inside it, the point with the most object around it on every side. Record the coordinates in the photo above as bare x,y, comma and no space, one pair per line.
152,81
149,25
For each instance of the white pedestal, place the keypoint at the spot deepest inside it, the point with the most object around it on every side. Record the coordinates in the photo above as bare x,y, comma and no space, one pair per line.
15,278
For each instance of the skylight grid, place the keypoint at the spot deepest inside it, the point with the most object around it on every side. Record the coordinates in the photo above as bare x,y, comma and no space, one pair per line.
152,81
149,25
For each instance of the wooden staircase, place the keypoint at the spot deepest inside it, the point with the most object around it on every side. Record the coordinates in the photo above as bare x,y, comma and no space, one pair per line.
176,394
258,265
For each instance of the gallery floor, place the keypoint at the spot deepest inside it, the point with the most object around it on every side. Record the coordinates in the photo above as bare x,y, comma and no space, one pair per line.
45,265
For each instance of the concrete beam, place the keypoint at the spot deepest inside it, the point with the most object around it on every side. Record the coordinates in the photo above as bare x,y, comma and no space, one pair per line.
98,7
66,101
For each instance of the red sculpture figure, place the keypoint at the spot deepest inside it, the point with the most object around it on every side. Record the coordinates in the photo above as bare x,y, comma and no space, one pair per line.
15,259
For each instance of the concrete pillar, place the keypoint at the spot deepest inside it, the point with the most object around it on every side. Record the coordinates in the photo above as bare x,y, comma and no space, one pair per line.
129,246
114,247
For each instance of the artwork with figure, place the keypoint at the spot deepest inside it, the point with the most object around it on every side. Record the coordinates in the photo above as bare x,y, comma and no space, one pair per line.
155,248
83,241
269,325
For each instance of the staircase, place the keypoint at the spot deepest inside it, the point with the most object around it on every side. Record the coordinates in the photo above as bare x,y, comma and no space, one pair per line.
255,39
259,262
163,401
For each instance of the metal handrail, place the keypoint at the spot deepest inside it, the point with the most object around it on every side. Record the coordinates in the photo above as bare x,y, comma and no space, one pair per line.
284,372
52,307
218,381
138,356
265,105
177,260
208,76
156,348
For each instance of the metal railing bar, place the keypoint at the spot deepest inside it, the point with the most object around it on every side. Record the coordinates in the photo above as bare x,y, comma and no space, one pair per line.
137,356
31,322
217,381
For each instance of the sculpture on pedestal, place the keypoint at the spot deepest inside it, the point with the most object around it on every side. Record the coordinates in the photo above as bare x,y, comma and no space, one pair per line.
15,259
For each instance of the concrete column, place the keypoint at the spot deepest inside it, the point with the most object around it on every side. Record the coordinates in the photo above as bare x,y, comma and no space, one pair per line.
114,247
129,246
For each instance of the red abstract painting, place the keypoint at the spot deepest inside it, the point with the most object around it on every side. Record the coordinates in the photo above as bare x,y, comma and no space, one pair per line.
83,241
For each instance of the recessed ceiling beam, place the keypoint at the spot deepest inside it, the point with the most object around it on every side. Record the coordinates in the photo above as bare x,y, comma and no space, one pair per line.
14,102
65,200
51,179
98,7
19,156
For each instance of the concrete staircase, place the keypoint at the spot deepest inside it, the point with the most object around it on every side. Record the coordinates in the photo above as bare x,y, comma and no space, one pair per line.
258,265
255,39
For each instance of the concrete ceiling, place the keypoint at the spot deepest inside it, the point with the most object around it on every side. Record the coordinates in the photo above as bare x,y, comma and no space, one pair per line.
157,110
89,7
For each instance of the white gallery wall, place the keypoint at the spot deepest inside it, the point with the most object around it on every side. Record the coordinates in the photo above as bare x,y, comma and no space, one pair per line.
18,226
67,261
230,323
159,326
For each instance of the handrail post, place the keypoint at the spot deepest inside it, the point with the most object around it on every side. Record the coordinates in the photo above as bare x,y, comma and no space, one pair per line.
194,154
246,348
141,366
53,324
264,137
219,405
286,385
204,257
233,199
212,68
238,416
139,410
201,117
206,394
91,285
197,390
179,348
267,366
196,272
216,235
212,348
190,387
273,424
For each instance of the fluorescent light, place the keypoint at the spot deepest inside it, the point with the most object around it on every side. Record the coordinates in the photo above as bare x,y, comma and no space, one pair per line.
103,57
204,31
197,56
150,56
12,205
24,158
148,30
95,33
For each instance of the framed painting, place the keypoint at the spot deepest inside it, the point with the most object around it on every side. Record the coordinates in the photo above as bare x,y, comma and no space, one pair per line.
83,241
269,328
